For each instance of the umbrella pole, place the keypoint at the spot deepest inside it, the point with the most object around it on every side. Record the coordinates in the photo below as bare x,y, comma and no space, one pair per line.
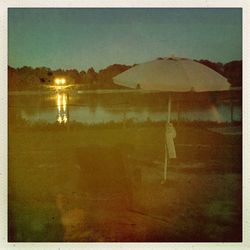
169,109
166,148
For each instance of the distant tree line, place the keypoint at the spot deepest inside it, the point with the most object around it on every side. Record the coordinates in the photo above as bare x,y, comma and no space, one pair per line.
231,70
28,78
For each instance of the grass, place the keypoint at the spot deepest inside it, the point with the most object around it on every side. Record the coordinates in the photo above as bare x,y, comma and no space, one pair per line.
48,201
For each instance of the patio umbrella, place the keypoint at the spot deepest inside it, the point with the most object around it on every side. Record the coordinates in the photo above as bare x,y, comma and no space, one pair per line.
172,74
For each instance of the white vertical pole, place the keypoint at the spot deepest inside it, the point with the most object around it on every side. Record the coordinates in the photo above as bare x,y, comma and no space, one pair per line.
166,149
169,108
166,162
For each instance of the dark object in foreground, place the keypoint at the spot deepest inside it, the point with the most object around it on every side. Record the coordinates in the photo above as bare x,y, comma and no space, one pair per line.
103,174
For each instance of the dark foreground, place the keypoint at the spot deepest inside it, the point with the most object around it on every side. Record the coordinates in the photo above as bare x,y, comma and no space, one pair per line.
104,184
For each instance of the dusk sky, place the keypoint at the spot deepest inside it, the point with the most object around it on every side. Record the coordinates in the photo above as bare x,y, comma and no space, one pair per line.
84,38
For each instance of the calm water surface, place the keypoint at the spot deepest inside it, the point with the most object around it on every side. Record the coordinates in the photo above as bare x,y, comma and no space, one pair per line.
98,108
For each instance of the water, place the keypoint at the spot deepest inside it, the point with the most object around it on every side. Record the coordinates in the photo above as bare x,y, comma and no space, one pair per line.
102,107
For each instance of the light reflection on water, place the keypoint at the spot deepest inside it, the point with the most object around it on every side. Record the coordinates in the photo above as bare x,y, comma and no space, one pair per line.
62,116
99,113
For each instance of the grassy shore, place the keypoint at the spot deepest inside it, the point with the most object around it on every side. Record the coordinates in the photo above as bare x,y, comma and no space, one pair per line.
48,200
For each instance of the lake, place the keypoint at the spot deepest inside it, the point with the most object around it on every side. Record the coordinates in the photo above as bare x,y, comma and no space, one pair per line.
94,107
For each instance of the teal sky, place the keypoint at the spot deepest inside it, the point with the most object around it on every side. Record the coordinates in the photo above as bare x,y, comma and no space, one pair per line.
83,37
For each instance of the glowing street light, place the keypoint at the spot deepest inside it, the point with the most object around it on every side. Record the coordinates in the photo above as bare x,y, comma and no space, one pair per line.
59,81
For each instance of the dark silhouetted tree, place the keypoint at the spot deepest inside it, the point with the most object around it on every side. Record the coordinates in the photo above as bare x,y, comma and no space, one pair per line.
233,72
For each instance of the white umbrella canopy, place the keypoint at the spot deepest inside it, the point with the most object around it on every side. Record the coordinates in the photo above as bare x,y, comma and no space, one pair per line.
173,75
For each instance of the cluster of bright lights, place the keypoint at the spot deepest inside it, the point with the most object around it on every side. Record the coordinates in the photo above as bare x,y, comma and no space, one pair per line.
59,81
